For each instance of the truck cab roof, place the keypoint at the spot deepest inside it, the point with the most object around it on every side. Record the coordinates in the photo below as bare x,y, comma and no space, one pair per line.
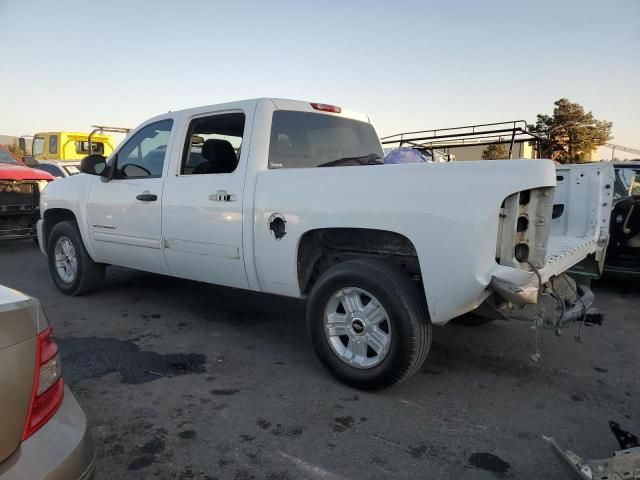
276,103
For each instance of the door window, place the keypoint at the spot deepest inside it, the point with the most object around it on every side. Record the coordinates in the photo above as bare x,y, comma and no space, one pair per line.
144,153
53,144
213,144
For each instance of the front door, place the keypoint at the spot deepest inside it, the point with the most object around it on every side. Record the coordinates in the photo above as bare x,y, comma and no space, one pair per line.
202,202
124,213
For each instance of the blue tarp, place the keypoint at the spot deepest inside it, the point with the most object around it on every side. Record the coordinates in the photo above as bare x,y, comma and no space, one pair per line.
406,155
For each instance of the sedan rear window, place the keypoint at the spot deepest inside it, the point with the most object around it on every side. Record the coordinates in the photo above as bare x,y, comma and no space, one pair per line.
305,139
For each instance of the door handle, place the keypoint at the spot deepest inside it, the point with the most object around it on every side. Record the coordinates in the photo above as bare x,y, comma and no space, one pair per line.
222,196
147,196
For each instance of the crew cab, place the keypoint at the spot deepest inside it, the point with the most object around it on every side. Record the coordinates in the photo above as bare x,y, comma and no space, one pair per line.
293,198
20,188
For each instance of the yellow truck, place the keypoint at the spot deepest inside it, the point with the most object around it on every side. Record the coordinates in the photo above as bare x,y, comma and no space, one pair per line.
69,145
74,145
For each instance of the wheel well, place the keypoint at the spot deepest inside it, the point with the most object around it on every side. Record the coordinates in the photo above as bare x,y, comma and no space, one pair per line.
52,217
321,249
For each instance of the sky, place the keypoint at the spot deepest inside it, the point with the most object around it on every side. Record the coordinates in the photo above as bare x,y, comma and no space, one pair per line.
409,65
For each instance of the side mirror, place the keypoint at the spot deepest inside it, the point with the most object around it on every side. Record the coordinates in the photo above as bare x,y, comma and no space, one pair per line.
94,165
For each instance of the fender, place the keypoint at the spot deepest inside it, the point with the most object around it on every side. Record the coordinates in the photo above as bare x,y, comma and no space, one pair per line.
70,194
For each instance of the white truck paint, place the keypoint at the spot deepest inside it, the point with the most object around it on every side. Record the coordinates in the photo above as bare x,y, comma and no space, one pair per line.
216,227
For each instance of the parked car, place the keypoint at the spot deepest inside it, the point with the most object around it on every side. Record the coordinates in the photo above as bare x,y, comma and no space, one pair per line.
60,168
249,195
623,253
44,431
20,188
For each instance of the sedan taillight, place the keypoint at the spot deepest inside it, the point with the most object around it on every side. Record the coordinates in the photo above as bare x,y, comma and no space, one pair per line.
48,388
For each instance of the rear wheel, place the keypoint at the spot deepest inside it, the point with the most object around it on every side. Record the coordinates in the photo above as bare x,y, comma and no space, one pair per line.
72,269
368,323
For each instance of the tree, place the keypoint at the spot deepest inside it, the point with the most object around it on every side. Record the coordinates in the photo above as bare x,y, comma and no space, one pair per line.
15,149
571,134
495,151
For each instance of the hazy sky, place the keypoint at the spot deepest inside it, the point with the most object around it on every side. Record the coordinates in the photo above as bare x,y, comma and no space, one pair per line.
409,65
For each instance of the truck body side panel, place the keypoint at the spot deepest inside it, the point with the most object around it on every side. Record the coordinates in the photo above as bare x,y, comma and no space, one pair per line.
452,225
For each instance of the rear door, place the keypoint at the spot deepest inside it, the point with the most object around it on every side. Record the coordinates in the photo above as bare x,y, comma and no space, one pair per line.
124,213
202,201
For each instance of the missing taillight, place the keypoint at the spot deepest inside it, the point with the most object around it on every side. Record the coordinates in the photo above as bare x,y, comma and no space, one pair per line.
48,388
522,224
522,252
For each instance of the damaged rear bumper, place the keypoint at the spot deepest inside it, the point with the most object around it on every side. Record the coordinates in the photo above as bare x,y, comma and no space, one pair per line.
549,302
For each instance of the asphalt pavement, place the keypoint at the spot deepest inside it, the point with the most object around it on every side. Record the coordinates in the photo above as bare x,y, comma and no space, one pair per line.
183,380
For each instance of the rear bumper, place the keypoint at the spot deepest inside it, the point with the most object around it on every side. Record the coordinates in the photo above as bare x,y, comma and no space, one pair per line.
60,450
521,287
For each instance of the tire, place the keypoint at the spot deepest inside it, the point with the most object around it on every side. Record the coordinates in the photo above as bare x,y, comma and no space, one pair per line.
88,274
395,298
472,320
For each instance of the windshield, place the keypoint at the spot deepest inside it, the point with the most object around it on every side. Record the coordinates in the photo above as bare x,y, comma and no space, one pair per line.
627,181
6,157
37,147
305,139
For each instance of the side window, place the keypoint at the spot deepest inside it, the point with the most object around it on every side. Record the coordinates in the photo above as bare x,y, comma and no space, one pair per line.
37,148
52,169
82,147
144,153
53,144
213,144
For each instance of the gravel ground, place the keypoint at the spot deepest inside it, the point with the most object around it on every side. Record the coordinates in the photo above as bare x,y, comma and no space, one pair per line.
184,380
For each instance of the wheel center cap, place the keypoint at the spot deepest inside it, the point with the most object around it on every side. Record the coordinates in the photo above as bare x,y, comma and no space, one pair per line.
358,326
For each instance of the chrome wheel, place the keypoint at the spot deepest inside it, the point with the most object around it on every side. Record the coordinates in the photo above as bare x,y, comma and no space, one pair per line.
357,327
66,259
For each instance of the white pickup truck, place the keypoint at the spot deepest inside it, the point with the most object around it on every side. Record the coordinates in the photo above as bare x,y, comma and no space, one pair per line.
231,194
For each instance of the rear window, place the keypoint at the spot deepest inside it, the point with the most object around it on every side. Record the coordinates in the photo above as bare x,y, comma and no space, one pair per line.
304,139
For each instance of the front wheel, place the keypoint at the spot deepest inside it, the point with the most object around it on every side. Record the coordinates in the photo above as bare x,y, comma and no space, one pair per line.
72,269
368,323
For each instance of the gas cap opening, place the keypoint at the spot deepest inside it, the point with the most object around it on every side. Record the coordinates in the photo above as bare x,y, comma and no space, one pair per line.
277,226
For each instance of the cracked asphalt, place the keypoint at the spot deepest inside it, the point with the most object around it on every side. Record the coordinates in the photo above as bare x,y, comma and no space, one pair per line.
182,380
